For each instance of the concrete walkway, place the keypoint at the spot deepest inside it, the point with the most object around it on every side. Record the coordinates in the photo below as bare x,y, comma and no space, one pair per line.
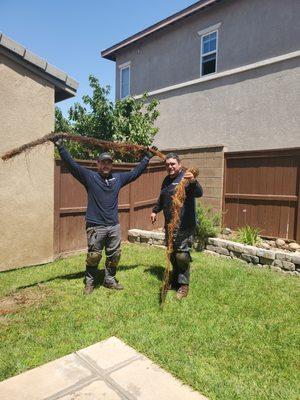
108,370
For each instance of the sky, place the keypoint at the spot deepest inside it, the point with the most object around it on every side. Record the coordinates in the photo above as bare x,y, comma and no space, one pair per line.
71,34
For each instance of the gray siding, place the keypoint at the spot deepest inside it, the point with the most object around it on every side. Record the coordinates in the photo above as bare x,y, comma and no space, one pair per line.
251,30
252,110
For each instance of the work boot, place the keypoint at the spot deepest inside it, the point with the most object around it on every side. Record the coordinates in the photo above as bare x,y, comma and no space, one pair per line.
89,287
173,284
182,292
113,285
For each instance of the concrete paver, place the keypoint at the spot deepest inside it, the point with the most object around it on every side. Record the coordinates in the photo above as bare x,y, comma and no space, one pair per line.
108,370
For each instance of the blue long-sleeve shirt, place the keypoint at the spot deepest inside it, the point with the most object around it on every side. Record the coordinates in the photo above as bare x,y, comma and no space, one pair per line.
102,207
188,211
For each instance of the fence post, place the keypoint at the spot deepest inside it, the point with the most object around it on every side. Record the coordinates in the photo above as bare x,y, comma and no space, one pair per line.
56,208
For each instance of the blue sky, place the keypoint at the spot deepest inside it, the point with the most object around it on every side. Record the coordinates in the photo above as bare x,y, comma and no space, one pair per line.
71,34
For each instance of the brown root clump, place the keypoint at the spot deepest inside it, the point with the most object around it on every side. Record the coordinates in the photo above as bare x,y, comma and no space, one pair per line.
177,203
122,148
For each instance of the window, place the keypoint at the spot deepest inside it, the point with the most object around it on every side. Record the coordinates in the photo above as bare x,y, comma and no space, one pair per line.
124,81
209,53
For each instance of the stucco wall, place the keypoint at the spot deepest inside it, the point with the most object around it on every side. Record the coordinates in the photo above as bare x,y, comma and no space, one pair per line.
252,110
26,182
251,30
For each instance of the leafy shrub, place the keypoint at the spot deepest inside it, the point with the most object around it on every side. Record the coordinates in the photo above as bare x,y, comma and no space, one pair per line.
127,120
248,235
208,224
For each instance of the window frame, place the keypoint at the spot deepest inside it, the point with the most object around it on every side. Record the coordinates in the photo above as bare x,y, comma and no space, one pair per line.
121,68
202,35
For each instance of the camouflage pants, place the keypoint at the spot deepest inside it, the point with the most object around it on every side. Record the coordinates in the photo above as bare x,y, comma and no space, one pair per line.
180,257
99,238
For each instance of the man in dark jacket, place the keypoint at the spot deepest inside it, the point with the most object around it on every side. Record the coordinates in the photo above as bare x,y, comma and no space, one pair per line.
102,221
183,235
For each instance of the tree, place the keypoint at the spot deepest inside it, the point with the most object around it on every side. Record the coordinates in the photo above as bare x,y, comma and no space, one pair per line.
126,120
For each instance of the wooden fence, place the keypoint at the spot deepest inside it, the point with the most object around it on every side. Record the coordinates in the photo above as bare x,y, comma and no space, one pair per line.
261,189
135,203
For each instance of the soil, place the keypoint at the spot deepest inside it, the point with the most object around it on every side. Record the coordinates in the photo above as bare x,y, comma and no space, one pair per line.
24,298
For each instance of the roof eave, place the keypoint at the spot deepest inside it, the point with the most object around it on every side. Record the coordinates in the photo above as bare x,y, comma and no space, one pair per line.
65,86
110,53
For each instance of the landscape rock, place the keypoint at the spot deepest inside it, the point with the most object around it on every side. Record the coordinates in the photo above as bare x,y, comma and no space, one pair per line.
218,242
265,261
266,254
226,231
295,258
280,242
234,254
277,263
249,258
294,246
264,246
237,247
289,266
280,255
252,250
210,247
222,251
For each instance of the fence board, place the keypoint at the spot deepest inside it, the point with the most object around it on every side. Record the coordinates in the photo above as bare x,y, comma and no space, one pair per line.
261,189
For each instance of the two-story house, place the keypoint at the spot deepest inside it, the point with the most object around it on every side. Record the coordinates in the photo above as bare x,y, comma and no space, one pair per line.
225,71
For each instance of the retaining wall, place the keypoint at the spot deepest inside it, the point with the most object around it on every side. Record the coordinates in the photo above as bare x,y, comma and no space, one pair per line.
278,260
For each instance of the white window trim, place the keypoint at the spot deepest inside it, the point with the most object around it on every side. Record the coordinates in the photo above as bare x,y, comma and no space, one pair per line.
208,32
121,67
209,29
124,65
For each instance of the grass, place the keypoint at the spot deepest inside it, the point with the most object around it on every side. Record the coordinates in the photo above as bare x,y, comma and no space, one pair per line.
235,337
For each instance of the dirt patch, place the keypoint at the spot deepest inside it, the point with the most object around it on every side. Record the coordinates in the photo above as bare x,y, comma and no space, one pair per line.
22,299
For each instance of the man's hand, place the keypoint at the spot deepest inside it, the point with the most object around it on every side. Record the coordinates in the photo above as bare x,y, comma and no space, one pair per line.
59,142
148,153
190,177
153,217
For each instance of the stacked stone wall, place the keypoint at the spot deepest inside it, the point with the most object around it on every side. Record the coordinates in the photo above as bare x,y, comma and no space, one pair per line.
275,260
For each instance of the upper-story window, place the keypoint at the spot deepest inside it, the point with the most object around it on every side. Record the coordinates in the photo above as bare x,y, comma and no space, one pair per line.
124,80
209,50
209,53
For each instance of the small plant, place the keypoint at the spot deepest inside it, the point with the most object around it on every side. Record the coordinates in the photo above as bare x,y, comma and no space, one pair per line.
248,235
208,224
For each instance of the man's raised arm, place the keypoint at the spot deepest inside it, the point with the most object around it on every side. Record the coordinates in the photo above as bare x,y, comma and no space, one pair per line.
130,176
79,172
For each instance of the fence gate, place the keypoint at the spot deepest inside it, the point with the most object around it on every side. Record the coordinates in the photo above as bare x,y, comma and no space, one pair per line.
261,189
135,203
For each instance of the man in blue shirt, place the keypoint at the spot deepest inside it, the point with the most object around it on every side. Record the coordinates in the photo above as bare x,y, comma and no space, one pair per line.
183,235
102,221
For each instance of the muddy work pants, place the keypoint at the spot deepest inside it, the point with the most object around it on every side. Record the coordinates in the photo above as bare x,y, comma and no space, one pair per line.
180,257
99,238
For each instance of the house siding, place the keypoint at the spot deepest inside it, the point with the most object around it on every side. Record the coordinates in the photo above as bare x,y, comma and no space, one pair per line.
251,110
250,31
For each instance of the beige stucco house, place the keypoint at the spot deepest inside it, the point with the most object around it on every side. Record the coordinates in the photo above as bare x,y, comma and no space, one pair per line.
29,88
225,71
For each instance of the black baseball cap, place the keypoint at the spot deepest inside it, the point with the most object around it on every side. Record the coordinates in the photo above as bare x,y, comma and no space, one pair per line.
105,156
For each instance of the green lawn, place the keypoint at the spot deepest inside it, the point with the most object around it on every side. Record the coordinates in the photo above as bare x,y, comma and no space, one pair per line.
235,337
